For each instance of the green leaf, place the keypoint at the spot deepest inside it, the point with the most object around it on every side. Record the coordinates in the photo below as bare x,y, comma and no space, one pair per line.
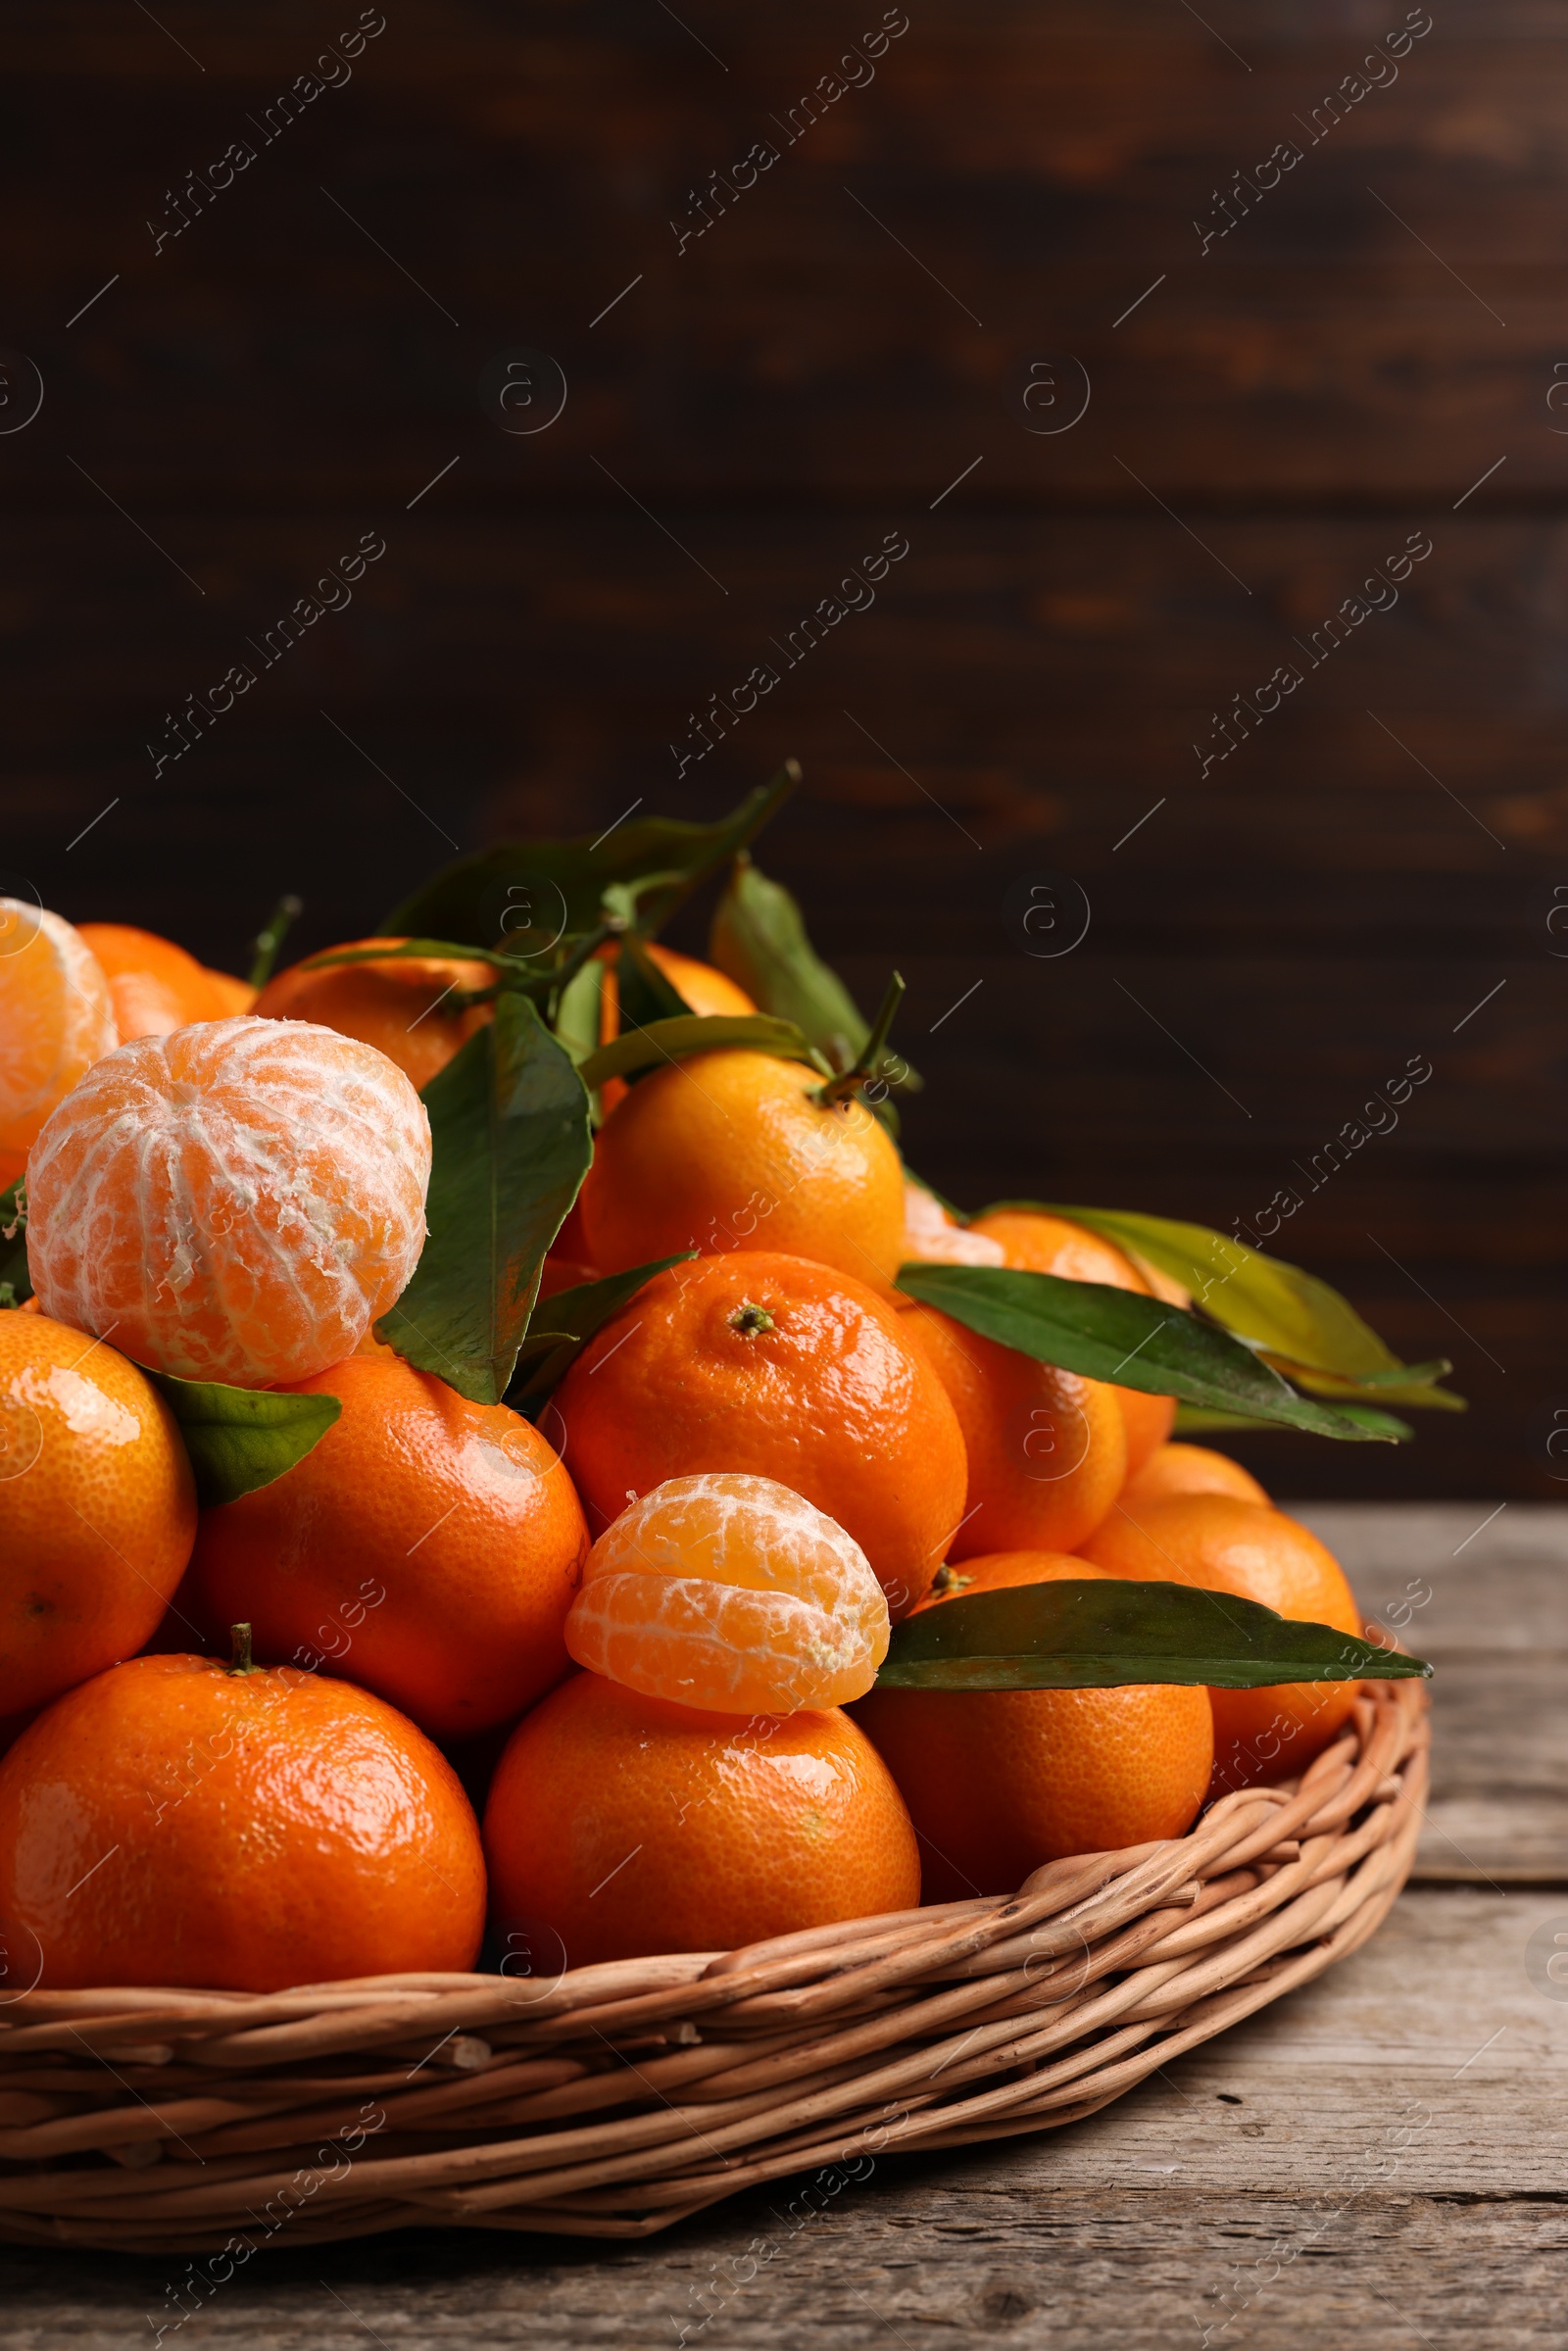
419,950
1275,1306
509,1119
759,938
1102,1635
577,1010
242,1438
1119,1336
1193,1421
642,993
13,1273
561,1326
562,883
693,1033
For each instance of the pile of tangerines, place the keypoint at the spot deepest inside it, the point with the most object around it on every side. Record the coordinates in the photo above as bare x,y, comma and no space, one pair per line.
249,1743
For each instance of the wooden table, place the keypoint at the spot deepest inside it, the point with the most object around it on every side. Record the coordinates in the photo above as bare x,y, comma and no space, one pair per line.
1379,2157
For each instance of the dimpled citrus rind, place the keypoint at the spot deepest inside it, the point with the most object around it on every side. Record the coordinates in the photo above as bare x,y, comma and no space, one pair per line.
237,1201
732,1594
57,1018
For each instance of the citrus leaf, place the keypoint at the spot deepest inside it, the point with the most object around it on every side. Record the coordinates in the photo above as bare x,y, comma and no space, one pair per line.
1193,1421
241,1437
642,993
1272,1305
759,938
1121,1337
561,1327
420,950
1101,1634
577,1010
509,1121
693,1033
661,859
14,1274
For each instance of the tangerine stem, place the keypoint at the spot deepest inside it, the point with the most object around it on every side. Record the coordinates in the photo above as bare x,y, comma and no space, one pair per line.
272,936
239,1653
867,1062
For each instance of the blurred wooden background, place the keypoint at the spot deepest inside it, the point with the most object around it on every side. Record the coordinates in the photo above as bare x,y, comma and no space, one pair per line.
843,354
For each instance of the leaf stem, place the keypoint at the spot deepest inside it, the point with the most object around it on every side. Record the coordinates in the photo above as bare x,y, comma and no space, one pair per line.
272,936
867,1065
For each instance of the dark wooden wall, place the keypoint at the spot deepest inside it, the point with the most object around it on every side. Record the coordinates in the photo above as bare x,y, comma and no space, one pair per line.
851,334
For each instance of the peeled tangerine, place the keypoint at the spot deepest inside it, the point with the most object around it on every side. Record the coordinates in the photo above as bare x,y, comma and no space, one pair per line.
56,1019
235,1202
731,1594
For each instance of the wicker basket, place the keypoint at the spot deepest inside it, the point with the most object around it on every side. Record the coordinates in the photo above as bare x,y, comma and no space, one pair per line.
619,2098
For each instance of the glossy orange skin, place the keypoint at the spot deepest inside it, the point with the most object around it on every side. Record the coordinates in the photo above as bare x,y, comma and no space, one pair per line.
729,1151
156,986
234,996
172,1823
1225,1544
833,1401
703,987
1020,1420
395,1005
97,1508
459,1515
1192,1469
1000,1780
1040,1244
623,1825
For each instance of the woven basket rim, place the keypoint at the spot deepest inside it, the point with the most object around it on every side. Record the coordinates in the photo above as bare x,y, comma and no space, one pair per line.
621,2097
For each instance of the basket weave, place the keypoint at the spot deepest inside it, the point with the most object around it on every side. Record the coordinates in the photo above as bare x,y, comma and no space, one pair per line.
619,2098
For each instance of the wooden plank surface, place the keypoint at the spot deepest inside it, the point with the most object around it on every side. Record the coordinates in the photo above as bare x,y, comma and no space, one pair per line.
1377,2156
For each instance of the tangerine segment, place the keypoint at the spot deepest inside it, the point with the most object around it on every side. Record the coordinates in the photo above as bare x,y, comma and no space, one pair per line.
732,1150
937,1238
1047,1451
731,1594
156,986
780,1368
96,1502
1000,1780
1038,1243
236,1202
1225,1544
1191,1469
56,1019
175,1823
620,1824
426,1546
408,1008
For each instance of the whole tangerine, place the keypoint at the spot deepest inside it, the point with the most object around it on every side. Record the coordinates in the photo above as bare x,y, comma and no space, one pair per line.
57,1018
408,1008
97,1504
156,986
735,1151
731,1594
236,1202
623,1825
777,1367
1038,1242
426,1546
176,1822
1191,1469
1222,1543
1000,1780
1047,1451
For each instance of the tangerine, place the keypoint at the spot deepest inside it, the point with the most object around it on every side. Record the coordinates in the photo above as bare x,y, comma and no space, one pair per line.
1222,1543
156,986
57,1018
98,1505
177,1822
1047,1450
1040,1243
408,1008
235,1202
934,1237
624,1825
1191,1469
1000,1780
735,1151
733,1595
781,1368
426,1546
